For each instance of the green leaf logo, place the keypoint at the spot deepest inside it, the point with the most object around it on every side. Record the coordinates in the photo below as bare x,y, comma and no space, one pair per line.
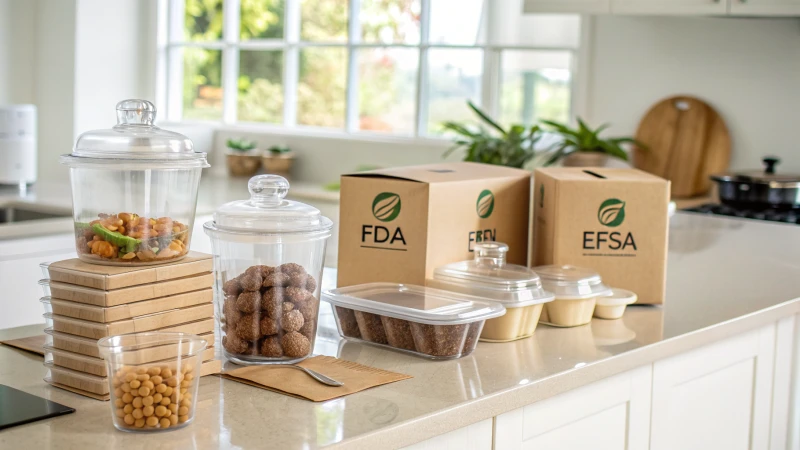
611,212
485,204
386,206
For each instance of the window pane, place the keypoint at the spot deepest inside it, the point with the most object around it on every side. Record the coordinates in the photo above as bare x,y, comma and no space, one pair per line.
260,86
458,22
454,77
261,19
534,85
390,21
323,20
202,20
202,84
322,85
387,89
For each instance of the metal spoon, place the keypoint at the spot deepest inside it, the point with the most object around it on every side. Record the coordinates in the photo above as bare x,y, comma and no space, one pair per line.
317,376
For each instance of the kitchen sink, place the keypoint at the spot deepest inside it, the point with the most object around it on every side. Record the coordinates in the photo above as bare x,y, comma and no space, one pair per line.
13,214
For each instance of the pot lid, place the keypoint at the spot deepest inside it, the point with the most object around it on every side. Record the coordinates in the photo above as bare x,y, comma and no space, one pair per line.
766,176
488,275
268,212
571,282
135,138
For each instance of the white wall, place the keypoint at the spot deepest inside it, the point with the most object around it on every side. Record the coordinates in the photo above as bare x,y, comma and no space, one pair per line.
748,69
17,51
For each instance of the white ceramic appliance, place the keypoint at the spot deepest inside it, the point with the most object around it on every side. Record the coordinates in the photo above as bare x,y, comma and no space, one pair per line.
17,144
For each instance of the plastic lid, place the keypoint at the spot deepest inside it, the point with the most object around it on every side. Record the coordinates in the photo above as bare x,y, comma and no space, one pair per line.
488,275
571,282
618,297
135,139
414,303
268,212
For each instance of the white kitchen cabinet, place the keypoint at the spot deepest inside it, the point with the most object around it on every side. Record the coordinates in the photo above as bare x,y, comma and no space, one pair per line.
610,414
670,7
718,396
567,6
767,8
477,436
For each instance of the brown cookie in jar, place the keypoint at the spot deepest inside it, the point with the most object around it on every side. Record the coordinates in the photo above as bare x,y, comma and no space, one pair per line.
295,345
233,344
272,302
438,340
271,347
248,328
249,302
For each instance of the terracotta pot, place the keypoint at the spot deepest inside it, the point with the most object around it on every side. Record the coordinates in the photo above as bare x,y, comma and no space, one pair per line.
585,159
243,164
277,164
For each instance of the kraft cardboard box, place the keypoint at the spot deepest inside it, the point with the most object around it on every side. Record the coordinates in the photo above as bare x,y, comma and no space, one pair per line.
398,225
611,220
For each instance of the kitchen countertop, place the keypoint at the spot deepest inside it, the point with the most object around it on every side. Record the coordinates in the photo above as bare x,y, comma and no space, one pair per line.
726,276
55,197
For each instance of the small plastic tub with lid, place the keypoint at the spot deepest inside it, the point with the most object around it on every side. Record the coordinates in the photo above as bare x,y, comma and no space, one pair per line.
154,396
613,306
268,258
134,190
488,276
75,361
424,321
576,290
75,379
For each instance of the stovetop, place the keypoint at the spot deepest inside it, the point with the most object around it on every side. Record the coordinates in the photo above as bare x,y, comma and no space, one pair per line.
773,215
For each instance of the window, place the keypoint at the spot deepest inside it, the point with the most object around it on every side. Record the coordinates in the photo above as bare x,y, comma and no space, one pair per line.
397,67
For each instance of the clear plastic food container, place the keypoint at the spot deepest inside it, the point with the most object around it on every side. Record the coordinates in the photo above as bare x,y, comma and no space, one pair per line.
576,290
75,379
127,311
268,259
613,306
134,190
518,288
75,361
424,321
155,396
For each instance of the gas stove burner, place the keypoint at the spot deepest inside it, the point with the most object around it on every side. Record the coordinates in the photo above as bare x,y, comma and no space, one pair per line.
773,215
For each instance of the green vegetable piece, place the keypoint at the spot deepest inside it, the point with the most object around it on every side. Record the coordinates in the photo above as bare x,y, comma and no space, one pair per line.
128,244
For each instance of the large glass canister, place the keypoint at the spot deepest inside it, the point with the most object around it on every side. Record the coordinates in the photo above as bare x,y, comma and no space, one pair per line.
268,259
489,276
134,190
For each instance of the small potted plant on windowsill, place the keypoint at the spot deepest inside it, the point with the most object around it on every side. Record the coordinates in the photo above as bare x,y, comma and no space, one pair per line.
278,160
242,158
583,147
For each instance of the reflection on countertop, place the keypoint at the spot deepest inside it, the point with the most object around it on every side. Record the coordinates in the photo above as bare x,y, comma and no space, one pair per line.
720,284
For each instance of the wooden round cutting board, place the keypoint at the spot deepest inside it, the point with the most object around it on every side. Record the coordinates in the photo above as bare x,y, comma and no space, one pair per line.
686,141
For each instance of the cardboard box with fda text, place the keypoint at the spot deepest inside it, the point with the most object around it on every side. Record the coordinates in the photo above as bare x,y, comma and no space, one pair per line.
398,225
611,220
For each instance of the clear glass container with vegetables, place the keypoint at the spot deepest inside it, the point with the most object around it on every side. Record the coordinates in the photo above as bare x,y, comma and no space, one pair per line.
134,190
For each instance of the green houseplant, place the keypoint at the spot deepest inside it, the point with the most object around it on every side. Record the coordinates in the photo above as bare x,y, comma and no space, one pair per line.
241,157
583,146
278,160
512,147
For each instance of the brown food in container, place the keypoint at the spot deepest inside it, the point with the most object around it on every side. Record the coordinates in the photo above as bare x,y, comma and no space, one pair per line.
371,327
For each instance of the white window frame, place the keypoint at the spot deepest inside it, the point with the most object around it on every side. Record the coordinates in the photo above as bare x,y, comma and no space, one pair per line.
169,76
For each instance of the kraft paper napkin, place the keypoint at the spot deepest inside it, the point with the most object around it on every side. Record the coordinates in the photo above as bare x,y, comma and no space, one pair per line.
31,344
289,381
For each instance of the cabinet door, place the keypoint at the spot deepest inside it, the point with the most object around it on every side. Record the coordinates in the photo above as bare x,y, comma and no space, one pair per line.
765,7
670,7
611,414
477,436
567,6
718,396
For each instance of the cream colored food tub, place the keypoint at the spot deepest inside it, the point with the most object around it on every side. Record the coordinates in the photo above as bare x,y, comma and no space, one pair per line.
576,291
613,306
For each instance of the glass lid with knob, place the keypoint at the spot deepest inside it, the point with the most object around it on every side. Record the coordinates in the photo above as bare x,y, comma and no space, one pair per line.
489,275
267,211
137,140
571,282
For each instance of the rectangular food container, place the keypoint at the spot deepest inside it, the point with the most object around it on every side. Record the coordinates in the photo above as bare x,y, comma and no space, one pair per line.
97,366
100,297
423,321
74,379
115,313
149,322
75,271
88,347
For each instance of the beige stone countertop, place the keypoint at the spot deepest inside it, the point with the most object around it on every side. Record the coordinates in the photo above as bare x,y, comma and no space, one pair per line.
726,276
55,197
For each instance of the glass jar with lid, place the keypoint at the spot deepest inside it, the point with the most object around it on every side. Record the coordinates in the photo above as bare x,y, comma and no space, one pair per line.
489,276
134,190
269,254
576,290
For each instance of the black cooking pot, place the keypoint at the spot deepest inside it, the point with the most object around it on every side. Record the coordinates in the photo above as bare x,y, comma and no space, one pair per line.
759,189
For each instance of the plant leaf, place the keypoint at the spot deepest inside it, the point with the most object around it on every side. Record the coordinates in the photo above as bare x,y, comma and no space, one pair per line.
486,118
